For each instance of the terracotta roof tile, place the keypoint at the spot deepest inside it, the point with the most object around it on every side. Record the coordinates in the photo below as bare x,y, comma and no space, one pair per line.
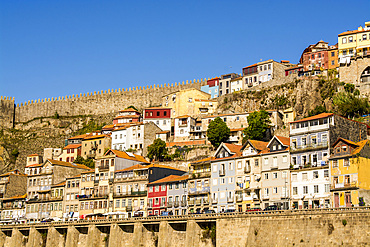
162,166
319,116
78,137
59,184
129,110
95,137
284,140
32,155
187,143
34,165
70,146
124,155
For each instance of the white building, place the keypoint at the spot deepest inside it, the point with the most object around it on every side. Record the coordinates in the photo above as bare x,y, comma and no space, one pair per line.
183,126
130,137
310,188
236,84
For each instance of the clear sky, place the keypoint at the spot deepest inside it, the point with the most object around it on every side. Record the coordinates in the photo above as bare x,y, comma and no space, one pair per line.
58,48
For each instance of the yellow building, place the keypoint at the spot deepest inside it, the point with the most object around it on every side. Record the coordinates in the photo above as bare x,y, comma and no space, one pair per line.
350,173
183,102
95,145
355,42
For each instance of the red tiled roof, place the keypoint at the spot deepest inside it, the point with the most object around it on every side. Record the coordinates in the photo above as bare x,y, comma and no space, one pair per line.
129,110
259,145
284,140
234,130
127,116
78,137
202,160
171,178
163,132
95,137
34,165
159,108
319,116
250,66
70,146
124,155
60,184
184,116
32,155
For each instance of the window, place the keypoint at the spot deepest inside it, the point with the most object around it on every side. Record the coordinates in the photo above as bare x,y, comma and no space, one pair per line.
335,163
315,174
305,189
214,181
266,161
266,191
256,162
230,166
350,39
346,162
231,180
214,168
275,175
315,189
295,190
266,176
327,188
285,159
304,176
275,190
163,187
344,40
326,173
239,165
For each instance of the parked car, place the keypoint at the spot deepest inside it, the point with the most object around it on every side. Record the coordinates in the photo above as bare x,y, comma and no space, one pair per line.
209,211
230,210
271,207
253,209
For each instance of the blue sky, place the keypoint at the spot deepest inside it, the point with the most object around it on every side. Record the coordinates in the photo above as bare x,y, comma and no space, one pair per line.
57,48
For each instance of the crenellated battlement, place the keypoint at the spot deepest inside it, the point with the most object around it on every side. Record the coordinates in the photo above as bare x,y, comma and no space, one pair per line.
100,102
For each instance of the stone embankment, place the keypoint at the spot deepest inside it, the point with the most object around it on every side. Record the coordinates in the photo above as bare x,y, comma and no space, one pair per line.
322,227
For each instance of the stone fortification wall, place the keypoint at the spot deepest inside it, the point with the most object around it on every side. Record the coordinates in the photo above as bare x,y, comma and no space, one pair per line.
98,103
7,111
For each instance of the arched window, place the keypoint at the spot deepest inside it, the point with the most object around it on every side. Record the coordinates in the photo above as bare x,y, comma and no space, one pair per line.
365,76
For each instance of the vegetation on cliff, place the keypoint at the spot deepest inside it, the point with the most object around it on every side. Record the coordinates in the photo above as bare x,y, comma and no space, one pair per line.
258,125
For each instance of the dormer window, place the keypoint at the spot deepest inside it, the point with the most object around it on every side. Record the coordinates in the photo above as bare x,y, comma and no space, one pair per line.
274,147
344,148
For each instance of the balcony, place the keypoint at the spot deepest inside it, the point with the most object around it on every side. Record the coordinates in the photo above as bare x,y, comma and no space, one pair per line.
221,172
103,194
198,202
169,204
214,200
183,203
308,147
199,190
344,186
205,201
132,178
177,204
139,193
105,167
191,202
196,175
150,206
128,208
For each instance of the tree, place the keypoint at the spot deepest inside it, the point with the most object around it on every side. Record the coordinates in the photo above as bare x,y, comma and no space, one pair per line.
217,132
158,150
89,162
258,125
351,105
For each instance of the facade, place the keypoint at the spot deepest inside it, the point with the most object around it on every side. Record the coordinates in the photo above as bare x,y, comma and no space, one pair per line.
248,180
236,84
72,191
199,185
183,126
87,193
130,190
205,106
350,169
127,116
161,116
212,87
39,185
128,138
57,209
294,70
250,76
225,83
182,102
13,208
223,184
94,145
275,175
13,183
70,152
354,55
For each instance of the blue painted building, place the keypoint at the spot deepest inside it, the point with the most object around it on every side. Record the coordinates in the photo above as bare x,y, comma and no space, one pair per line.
223,171
212,87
